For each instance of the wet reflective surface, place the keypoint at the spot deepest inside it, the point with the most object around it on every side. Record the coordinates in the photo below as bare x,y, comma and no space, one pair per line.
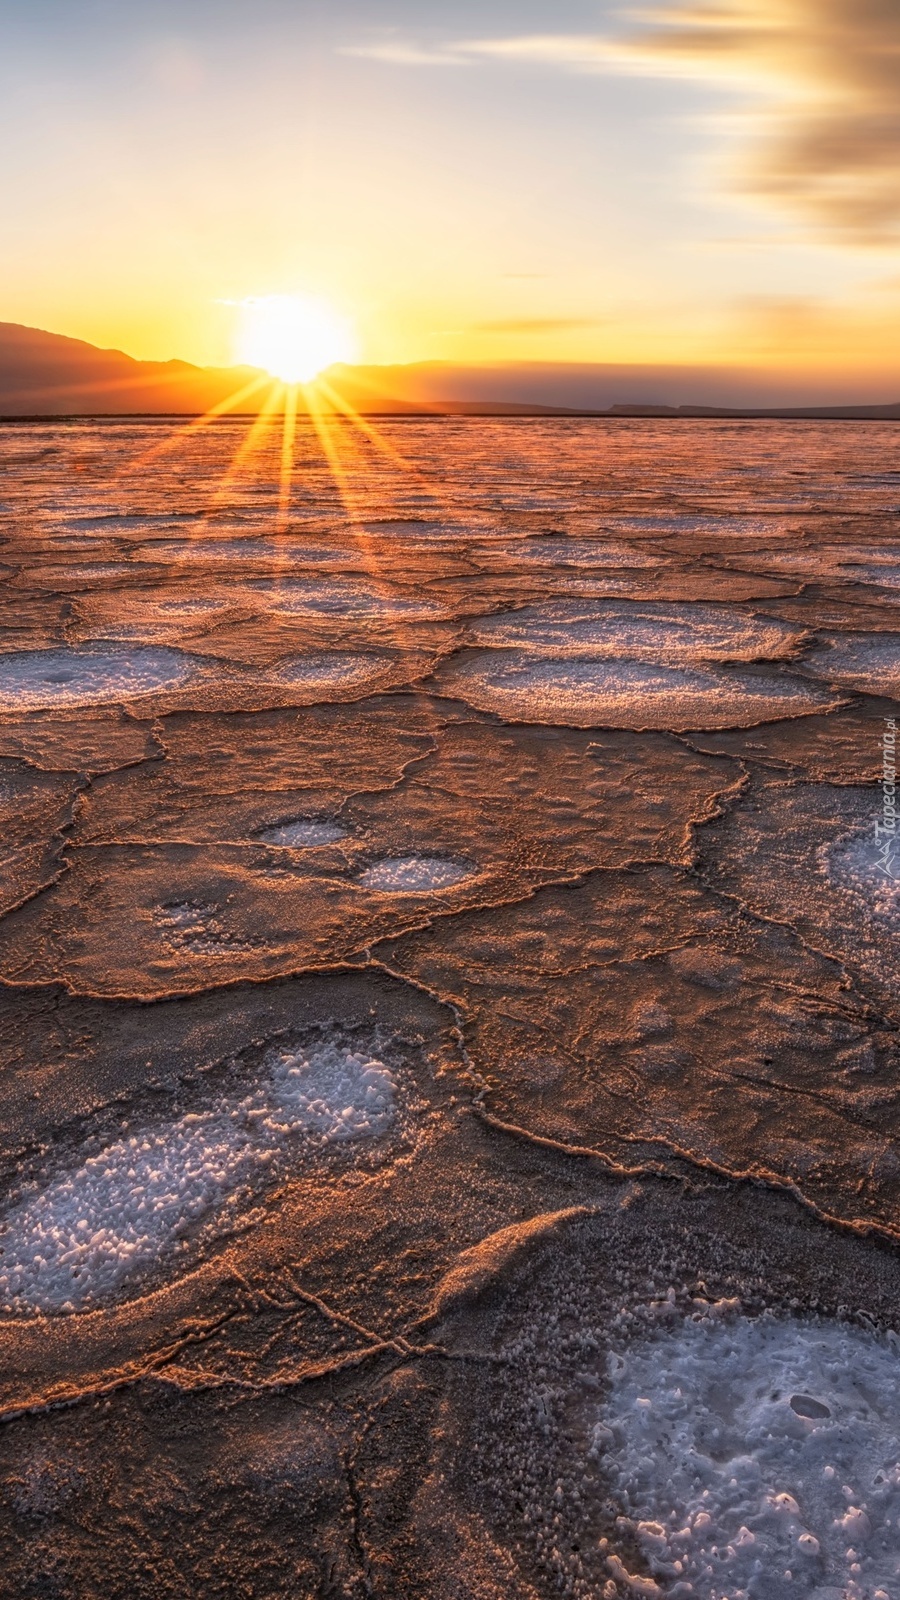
449,1021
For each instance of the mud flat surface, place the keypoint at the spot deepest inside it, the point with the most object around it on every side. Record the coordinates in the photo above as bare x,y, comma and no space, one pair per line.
449,1016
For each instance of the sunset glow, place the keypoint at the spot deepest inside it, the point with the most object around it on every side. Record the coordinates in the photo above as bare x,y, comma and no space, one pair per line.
292,337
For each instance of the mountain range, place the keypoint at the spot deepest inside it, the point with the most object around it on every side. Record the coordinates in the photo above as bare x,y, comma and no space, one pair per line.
48,374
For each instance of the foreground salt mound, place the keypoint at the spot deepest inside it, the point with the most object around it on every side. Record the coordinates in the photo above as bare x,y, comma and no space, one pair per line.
35,680
669,634
755,1459
89,1231
415,874
585,692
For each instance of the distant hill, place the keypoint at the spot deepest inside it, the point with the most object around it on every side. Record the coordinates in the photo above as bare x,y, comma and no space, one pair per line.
48,374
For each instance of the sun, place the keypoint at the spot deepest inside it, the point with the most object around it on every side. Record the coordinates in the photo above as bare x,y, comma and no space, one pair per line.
292,336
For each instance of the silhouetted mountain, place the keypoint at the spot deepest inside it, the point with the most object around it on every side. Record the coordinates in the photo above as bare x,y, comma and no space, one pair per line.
48,374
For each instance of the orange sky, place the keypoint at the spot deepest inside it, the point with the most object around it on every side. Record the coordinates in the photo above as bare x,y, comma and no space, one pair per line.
465,182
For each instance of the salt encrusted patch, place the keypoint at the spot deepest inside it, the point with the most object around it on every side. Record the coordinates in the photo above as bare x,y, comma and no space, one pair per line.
271,552
330,597
326,669
866,661
303,833
590,553
416,874
868,865
33,680
754,1458
578,692
670,634
83,1235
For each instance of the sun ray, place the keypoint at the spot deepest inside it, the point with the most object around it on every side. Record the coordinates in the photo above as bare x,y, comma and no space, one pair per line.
338,401
246,448
180,435
286,475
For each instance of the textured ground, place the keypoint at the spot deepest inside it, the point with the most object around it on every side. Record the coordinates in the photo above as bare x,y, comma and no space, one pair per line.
449,1021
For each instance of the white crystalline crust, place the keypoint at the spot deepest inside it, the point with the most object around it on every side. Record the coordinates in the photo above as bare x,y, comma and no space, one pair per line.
304,833
870,662
869,867
623,693
756,1459
329,597
326,669
669,634
86,1233
32,680
415,874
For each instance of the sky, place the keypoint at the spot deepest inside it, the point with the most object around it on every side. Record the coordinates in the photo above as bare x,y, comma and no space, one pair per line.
481,181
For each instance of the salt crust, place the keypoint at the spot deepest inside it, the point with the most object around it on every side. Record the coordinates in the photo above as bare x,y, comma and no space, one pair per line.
623,694
869,867
754,1458
32,680
89,1231
415,874
331,598
671,634
303,833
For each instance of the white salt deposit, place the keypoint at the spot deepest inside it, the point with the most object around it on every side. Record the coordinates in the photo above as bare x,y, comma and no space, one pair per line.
87,1232
356,601
415,874
36,679
322,672
868,865
670,634
866,661
589,553
303,833
755,1459
271,552
587,693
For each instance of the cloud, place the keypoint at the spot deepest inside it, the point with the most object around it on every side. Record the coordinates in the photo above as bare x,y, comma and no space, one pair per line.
826,130
823,123
397,53
576,52
581,52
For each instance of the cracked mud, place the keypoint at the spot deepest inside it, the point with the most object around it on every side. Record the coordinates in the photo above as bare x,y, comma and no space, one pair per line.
449,1035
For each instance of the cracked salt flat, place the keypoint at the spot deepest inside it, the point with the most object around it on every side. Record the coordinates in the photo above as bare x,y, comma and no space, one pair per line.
665,633
41,679
579,553
303,833
586,693
870,662
416,874
347,600
756,1459
271,551
89,1231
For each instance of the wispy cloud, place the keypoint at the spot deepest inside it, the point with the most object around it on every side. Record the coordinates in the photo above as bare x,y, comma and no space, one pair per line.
576,52
824,124
579,52
826,130
399,53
